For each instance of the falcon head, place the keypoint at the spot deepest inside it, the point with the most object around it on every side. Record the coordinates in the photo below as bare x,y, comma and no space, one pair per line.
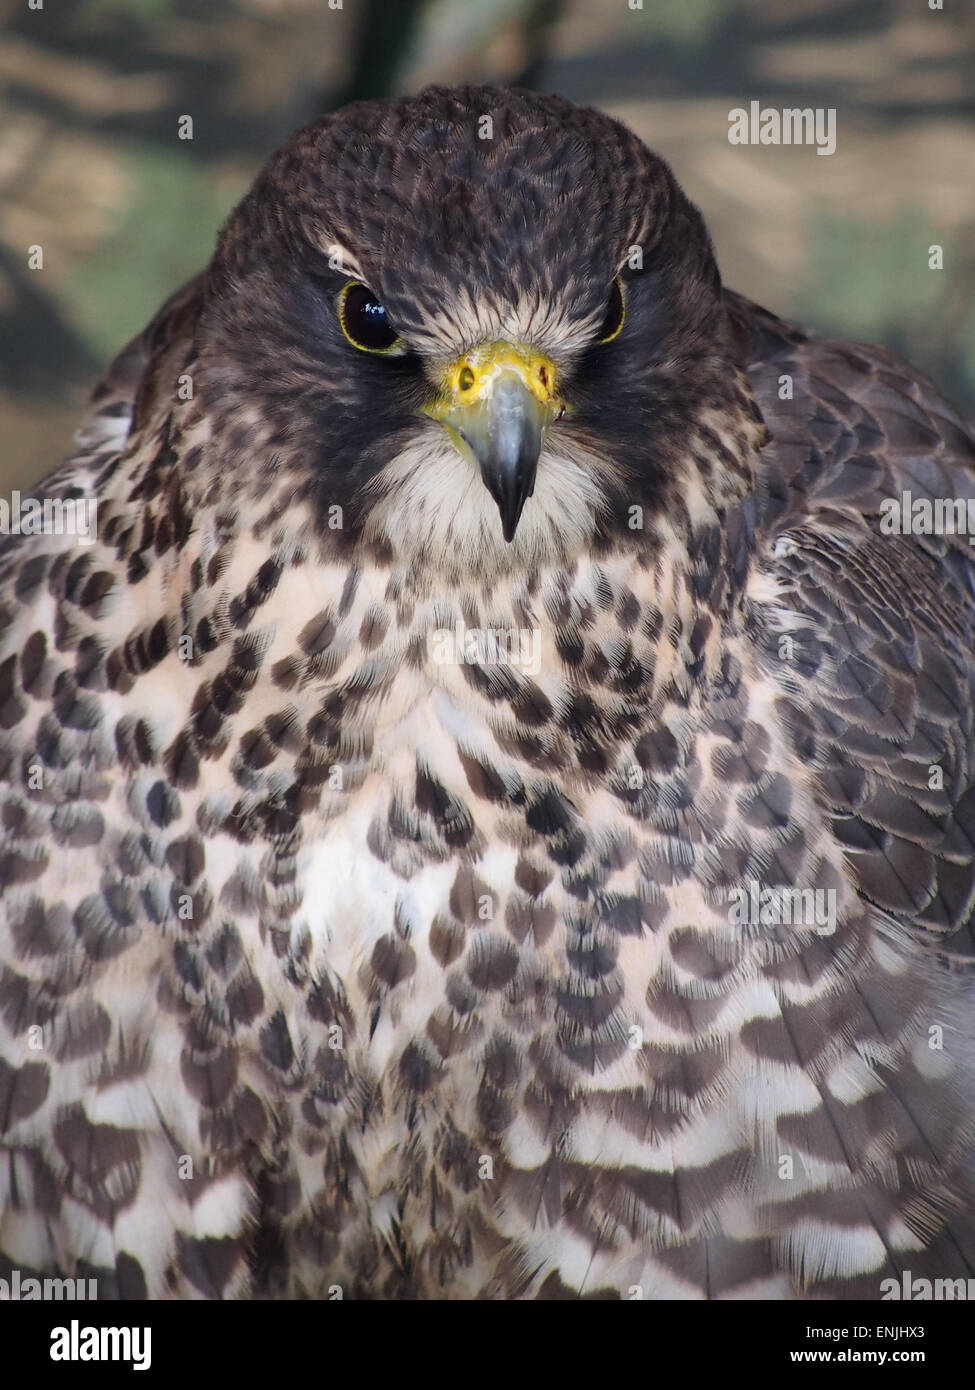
484,325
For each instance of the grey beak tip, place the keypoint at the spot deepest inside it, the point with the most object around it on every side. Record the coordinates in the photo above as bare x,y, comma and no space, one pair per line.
505,436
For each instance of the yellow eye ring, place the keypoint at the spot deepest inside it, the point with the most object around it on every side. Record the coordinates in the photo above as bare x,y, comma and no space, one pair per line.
612,325
364,321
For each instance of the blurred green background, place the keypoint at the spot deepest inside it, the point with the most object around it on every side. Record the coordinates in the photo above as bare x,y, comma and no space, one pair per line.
92,169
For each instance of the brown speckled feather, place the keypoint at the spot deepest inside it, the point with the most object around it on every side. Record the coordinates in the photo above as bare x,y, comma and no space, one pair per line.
887,619
332,967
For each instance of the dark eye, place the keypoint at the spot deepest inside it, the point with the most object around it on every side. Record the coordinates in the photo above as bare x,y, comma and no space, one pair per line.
364,320
615,314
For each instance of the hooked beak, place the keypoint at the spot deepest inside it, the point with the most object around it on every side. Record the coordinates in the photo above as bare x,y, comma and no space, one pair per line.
497,405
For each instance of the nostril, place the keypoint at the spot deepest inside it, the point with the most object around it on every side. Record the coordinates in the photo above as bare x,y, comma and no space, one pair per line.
543,376
466,379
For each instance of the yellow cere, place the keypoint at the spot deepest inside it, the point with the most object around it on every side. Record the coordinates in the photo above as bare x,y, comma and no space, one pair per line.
472,377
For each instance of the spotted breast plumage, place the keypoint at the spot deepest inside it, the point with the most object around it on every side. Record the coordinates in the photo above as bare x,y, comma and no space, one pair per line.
491,634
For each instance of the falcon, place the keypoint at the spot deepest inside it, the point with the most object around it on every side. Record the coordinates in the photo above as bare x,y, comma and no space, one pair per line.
489,813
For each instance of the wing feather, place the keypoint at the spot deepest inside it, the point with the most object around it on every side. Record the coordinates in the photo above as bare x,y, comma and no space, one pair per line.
885,623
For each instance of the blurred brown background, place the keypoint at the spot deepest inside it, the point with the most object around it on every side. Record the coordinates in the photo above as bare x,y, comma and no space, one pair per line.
92,169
